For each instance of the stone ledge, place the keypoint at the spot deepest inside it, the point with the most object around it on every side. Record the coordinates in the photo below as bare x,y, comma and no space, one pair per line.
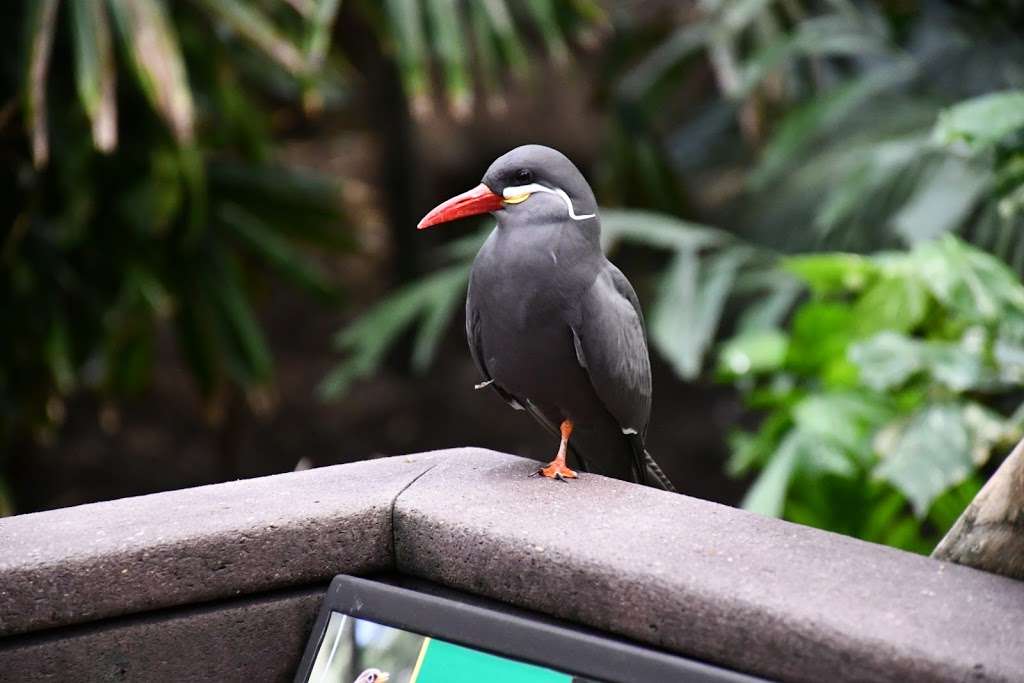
89,562
715,583
247,639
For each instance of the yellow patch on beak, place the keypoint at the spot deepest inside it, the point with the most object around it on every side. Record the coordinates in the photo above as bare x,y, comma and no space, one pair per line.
517,199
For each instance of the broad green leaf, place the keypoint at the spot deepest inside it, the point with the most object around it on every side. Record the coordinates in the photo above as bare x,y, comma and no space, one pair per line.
826,457
748,449
821,332
887,360
685,316
932,454
954,366
896,303
753,352
829,274
771,309
942,202
847,419
768,493
156,55
1009,357
871,184
983,121
745,451
41,27
95,70
977,285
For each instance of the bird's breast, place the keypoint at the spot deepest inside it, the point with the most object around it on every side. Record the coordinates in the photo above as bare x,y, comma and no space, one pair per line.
525,303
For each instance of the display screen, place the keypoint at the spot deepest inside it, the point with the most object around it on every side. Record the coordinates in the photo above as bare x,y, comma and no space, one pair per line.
360,651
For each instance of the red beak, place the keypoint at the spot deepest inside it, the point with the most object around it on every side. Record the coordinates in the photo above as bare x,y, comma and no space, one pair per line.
476,201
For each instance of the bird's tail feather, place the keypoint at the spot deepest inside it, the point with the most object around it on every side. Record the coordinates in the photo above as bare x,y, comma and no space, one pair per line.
656,477
646,470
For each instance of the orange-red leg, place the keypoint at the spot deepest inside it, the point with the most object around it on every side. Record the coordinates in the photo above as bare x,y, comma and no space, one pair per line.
557,469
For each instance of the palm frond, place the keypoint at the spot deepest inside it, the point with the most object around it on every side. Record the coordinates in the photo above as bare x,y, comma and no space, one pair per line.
95,71
42,25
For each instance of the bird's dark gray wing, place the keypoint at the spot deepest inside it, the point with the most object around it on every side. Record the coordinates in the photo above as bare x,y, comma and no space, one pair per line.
476,351
612,346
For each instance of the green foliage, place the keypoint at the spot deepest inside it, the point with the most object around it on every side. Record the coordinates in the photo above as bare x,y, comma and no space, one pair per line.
893,385
428,33
430,302
982,122
829,111
147,195
146,200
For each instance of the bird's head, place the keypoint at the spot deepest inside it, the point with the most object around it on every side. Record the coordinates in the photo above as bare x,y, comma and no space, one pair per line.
530,184
373,676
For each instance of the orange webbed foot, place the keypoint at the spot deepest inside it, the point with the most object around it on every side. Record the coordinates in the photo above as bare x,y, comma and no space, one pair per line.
557,470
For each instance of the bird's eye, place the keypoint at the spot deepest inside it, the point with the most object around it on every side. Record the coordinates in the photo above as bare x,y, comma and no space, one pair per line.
524,176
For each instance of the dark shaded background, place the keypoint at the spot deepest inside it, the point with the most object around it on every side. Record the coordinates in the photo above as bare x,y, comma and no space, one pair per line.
163,440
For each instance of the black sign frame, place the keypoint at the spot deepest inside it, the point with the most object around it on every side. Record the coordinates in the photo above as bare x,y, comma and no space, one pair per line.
499,629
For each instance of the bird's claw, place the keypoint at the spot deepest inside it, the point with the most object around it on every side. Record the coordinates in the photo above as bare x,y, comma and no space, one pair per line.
557,471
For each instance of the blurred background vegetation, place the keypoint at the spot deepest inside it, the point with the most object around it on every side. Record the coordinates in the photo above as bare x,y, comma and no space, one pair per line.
210,268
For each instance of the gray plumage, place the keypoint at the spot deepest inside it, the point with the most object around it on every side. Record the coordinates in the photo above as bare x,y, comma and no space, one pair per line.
555,325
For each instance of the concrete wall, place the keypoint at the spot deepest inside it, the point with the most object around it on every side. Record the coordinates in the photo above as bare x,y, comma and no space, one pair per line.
221,582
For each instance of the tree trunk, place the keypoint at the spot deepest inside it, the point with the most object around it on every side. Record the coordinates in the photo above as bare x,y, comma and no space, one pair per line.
990,533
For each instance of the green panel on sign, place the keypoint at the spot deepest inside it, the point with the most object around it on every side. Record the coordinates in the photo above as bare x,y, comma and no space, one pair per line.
447,663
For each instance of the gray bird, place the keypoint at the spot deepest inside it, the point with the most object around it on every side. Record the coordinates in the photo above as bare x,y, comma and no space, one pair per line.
552,325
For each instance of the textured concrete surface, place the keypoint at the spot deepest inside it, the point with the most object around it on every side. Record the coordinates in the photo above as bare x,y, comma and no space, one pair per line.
246,639
711,582
716,583
120,557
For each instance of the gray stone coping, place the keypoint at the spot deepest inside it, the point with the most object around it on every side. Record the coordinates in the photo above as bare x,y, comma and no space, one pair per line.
246,639
712,582
125,556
